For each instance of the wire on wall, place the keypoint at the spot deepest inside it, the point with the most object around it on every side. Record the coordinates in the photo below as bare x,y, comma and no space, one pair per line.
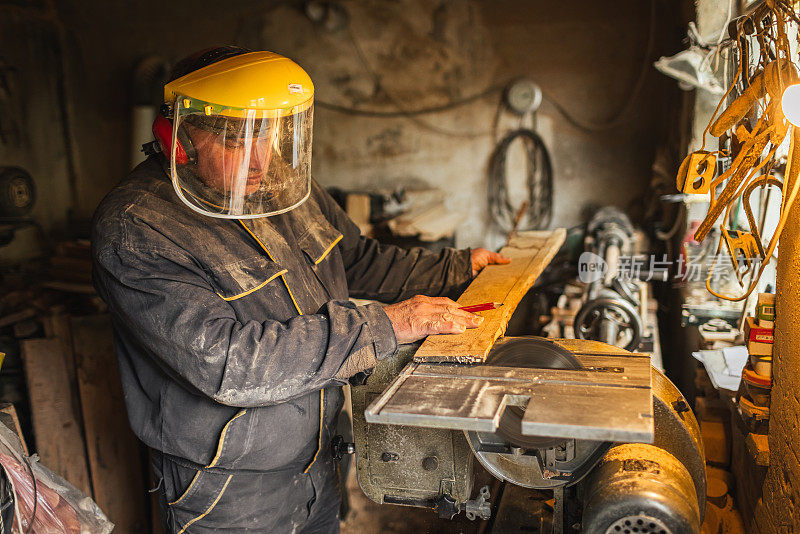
539,181
412,112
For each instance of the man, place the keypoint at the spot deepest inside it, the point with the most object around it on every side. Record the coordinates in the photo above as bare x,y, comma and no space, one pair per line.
227,273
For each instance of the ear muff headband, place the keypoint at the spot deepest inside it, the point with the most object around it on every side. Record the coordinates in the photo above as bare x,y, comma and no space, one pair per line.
186,145
185,152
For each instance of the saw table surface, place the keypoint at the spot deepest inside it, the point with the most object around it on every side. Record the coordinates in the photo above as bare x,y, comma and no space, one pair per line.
609,399
530,252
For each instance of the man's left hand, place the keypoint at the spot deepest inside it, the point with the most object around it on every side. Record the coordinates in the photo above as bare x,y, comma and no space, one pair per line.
480,258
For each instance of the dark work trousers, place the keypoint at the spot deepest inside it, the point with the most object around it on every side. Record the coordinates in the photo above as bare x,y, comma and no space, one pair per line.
276,502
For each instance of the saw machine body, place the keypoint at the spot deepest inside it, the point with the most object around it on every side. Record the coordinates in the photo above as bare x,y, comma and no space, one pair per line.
540,413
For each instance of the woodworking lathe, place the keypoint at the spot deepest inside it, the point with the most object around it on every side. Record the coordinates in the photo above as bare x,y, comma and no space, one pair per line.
595,427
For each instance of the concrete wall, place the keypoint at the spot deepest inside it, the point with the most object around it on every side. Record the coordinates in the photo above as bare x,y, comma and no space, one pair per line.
586,56
32,132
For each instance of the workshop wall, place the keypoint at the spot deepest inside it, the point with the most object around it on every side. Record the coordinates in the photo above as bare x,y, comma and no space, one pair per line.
384,56
32,130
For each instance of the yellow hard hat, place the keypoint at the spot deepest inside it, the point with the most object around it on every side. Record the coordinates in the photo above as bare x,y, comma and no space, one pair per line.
241,134
263,81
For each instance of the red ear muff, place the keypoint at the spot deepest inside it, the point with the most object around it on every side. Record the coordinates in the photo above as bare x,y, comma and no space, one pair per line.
185,151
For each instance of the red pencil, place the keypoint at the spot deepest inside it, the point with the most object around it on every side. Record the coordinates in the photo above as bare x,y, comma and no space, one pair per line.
481,307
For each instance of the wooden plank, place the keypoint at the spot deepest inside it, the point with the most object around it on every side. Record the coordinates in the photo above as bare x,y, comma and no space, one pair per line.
59,440
57,325
588,346
8,416
358,207
115,458
530,253
14,318
458,404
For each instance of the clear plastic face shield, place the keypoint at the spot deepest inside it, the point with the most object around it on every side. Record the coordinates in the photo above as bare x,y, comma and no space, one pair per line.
241,163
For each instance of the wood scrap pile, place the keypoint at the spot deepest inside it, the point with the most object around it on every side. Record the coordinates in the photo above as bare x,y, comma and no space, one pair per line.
419,212
78,416
35,289
61,373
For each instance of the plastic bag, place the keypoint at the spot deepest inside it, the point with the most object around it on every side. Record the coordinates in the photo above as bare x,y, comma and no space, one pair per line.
51,503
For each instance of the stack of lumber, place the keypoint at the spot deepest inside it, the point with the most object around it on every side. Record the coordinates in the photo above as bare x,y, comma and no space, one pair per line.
78,416
61,373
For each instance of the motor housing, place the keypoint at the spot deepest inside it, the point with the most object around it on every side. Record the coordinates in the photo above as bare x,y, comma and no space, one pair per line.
640,488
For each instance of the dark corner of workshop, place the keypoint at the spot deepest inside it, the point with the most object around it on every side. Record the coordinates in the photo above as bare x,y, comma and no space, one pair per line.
409,266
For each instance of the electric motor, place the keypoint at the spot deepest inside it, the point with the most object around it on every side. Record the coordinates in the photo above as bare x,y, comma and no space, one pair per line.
642,489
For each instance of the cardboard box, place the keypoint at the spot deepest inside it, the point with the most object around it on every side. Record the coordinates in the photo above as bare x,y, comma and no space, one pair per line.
765,310
757,333
759,349
759,339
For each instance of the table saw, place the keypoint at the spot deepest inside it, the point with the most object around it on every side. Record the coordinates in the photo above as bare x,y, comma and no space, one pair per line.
599,426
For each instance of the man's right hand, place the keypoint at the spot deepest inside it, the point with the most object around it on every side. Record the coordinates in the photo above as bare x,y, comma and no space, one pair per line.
422,316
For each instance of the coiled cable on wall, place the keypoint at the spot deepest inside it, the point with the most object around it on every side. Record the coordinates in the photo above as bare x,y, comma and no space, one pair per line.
539,180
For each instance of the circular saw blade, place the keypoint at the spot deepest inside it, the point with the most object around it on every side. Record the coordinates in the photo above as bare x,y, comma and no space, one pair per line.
535,353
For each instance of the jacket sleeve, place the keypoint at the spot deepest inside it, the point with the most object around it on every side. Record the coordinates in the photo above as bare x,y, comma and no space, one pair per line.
165,305
389,273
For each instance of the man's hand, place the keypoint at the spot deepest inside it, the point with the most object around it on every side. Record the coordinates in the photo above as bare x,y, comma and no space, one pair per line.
422,316
480,258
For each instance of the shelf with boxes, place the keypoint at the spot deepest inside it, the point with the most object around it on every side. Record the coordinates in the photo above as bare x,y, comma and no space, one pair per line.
756,385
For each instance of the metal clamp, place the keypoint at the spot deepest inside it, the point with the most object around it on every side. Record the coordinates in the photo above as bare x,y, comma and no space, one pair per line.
480,506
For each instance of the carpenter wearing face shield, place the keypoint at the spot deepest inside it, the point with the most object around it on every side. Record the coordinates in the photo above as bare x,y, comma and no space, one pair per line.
227,272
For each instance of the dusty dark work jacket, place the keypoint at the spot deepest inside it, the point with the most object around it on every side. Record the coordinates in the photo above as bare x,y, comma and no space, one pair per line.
233,337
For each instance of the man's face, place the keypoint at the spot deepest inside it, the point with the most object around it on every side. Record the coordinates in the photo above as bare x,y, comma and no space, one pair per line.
226,163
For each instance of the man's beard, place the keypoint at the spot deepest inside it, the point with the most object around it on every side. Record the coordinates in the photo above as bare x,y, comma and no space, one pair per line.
268,192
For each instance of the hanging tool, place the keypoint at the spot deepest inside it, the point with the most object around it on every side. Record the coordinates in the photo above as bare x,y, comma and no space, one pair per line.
760,85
